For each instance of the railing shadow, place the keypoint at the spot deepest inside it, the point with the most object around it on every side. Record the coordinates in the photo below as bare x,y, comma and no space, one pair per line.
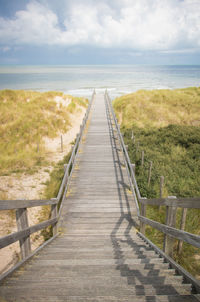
122,241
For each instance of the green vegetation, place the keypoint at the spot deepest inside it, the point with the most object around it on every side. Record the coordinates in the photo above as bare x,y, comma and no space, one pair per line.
26,118
51,191
56,176
166,126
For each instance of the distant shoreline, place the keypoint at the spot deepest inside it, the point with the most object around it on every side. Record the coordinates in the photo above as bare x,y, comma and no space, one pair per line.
80,80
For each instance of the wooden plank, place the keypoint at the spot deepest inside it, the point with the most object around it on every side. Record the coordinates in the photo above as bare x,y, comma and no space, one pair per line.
22,223
168,244
20,204
143,213
54,215
179,202
182,227
178,234
9,239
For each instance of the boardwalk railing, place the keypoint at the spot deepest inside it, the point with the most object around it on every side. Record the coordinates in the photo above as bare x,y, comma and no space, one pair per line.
24,230
171,203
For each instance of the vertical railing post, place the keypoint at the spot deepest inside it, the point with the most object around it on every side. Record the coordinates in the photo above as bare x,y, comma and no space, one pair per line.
170,221
22,223
162,179
142,158
182,228
54,215
149,175
143,213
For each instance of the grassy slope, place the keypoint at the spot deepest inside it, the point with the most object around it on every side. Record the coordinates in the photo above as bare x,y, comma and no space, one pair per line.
26,117
166,126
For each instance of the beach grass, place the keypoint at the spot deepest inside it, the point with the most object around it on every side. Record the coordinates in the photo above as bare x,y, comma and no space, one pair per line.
26,118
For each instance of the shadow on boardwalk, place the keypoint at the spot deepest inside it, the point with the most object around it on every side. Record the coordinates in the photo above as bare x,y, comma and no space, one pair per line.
134,276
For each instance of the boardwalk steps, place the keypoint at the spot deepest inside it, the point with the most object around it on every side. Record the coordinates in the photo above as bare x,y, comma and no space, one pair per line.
98,256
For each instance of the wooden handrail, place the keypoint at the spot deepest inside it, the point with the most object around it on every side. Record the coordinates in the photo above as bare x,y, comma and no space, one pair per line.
20,204
11,238
178,234
179,202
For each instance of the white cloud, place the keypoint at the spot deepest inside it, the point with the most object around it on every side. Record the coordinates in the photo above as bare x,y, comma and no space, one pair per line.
139,25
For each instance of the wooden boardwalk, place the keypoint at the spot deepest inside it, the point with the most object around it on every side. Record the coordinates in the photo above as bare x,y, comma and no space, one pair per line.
98,257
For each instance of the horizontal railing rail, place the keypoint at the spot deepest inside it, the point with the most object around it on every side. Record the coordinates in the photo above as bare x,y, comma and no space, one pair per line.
179,202
20,204
171,203
24,230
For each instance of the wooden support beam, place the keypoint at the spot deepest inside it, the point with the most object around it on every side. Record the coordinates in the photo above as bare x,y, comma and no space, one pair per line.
143,213
162,179
142,158
182,228
168,244
54,215
150,170
22,223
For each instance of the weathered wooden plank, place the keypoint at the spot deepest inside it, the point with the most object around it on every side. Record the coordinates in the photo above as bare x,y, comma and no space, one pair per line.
9,239
181,235
168,245
20,204
193,202
22,223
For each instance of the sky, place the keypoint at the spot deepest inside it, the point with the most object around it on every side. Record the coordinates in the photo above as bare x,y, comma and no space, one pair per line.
99,32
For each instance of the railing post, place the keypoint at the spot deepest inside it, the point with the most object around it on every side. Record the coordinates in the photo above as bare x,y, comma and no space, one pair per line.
149,176
143,213
170,221
182,227
162,179
142,158
22,223
54,215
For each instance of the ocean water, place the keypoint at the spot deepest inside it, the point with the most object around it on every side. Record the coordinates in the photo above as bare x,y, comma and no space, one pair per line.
81,80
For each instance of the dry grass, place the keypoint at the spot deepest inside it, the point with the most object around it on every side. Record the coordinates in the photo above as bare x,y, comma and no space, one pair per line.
27,117
159,108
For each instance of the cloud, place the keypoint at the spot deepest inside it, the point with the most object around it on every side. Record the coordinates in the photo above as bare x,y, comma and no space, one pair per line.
140,25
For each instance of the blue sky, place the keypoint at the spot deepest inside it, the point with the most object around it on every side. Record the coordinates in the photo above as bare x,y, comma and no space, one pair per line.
100,32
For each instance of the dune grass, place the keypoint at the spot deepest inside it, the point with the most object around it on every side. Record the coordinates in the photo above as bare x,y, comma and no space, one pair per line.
166,126
26,118
159,108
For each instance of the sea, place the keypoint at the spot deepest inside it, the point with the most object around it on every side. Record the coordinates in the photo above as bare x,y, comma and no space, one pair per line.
81,80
